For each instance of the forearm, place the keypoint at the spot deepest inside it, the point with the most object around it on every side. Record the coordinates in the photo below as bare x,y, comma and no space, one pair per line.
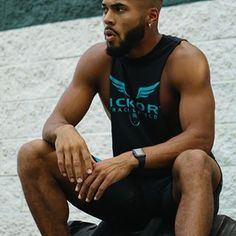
163,155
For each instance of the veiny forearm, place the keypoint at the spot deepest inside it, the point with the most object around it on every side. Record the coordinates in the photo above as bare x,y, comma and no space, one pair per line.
163,155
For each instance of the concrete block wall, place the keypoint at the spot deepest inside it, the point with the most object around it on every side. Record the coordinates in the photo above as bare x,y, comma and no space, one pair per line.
37,63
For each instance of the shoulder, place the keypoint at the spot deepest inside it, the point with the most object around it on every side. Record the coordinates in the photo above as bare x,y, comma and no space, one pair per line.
93,64
185,52
188,65
96,53
95,61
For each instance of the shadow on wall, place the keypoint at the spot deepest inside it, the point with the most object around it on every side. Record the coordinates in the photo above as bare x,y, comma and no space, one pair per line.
17,14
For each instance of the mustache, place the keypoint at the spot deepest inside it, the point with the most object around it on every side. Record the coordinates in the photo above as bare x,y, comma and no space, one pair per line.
111,29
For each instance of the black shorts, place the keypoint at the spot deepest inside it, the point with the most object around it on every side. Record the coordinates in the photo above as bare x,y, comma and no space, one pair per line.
133,201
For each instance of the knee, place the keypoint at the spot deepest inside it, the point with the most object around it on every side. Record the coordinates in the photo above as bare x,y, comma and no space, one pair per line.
28,157
192,165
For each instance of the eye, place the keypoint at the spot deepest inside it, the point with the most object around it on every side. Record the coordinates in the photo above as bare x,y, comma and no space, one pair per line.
119,9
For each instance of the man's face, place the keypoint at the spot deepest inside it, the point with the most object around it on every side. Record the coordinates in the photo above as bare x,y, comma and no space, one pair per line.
124,25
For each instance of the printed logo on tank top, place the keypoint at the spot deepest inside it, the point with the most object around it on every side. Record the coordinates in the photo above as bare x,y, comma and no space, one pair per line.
134,106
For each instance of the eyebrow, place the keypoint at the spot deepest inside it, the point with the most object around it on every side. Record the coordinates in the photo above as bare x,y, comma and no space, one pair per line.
115,5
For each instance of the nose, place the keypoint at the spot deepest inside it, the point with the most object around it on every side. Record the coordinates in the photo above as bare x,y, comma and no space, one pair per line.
108,18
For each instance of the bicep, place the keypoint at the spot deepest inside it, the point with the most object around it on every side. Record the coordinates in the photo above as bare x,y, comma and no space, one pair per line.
197,105
196,110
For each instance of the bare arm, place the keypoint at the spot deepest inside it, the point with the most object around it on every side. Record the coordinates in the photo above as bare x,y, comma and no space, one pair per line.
189,73
75,101
74,158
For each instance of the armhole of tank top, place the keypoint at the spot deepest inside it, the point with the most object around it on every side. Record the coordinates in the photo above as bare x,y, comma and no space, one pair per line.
176,44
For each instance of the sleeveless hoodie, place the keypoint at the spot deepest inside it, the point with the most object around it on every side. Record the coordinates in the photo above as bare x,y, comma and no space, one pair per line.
136,116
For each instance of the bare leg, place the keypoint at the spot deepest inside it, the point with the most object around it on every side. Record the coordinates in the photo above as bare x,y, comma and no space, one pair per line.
44,188
196,176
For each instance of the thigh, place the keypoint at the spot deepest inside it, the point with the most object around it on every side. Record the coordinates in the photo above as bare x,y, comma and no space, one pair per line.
122,202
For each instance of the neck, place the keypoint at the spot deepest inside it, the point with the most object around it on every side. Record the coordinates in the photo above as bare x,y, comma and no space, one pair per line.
146,45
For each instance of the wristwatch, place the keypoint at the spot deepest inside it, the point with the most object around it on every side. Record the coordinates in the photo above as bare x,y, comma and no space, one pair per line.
140,155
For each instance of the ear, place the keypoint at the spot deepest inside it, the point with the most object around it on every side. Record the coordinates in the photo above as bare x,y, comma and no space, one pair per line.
153,15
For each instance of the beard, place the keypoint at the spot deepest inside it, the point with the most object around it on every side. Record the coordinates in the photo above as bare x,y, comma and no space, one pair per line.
131,40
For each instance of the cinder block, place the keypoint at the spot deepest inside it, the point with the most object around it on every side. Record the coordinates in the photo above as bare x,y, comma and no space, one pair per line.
36,80
227,199
231,212
221,55
10,199
52,41
24,119
225,102
18,224
225,143
8,155
224,15
197,22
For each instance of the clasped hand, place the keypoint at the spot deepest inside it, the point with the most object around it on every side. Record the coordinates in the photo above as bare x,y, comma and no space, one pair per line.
75,162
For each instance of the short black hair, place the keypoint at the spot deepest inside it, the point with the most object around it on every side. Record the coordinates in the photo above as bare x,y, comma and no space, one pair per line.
155,3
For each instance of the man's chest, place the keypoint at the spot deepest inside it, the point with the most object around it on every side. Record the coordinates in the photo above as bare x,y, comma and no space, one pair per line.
147,98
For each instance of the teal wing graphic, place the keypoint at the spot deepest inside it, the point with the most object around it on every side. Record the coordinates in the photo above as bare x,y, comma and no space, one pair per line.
119,85
144,92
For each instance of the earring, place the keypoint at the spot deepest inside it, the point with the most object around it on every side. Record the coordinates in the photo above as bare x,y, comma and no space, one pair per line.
150,25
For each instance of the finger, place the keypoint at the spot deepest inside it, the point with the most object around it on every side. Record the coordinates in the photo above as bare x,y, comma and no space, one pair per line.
102,188
78,168
85,187
69,167
61,162
87,161
93,188
78,187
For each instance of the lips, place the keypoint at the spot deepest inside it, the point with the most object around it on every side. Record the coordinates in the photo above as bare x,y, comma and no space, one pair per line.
109,34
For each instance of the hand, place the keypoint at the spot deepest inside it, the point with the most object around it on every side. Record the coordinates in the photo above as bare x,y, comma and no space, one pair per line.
74,159
106,173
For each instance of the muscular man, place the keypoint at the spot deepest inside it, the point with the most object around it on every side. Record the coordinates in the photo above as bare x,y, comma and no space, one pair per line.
156,91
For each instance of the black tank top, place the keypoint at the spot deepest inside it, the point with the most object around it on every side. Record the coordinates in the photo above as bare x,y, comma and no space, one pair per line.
136,117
